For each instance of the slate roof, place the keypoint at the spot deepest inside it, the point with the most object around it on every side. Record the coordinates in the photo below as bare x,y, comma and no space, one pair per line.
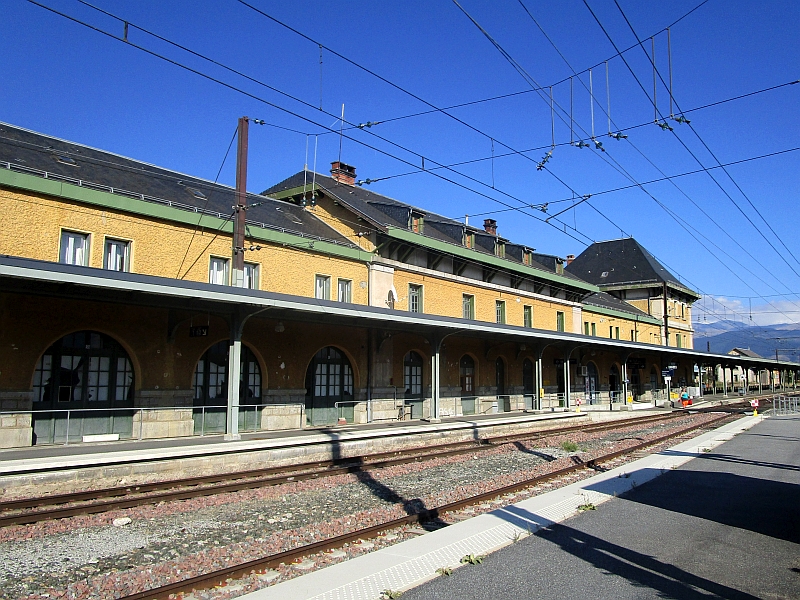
606,300
745,352
619,262
383,211
36,153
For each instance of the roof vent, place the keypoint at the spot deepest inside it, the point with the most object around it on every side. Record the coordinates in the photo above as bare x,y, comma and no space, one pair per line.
604,274
197,193
343,173
66,160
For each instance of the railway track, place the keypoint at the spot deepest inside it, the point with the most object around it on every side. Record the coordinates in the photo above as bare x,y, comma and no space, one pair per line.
31,510
222,576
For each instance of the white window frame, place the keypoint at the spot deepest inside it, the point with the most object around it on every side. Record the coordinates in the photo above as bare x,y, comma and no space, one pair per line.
415,290
68,254
468,306
251,273
500,311
213,274
322,287
348,291
126,259
527,315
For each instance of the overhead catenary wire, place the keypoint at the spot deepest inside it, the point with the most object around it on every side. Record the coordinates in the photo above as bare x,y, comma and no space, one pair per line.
616,165
232,87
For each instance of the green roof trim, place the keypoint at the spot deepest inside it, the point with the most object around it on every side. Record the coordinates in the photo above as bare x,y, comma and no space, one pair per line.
611,312
475,256
293,191
69,191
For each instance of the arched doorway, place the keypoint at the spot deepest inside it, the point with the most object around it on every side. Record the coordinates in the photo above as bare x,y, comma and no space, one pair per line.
527,383
211,390
467,377
329,380
614,382
503,401
412,380
82,370
590,382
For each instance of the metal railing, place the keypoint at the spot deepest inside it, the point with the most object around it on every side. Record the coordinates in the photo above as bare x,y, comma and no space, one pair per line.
785,405
68,425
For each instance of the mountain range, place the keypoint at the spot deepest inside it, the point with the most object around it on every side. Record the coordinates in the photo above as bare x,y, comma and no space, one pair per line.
722,336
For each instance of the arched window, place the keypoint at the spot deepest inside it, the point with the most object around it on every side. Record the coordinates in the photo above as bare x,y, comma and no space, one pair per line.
85,369
467,372
211,377
329,380
412,375
82,370
527,376
390,299
500,376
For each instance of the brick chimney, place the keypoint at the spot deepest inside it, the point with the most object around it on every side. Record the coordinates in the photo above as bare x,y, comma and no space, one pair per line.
343,173
490,226
570,258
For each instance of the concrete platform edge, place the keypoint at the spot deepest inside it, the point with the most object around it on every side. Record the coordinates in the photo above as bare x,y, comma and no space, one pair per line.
412,562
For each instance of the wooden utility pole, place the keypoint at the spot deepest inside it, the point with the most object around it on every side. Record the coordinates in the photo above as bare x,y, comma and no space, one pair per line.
237,274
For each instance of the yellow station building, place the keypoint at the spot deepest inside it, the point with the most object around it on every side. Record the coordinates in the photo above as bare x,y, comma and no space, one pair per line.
117,317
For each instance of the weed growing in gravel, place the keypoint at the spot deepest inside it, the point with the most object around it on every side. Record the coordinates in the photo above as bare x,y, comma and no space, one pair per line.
471,559
390,595
706,449
444,571
569,446
587,506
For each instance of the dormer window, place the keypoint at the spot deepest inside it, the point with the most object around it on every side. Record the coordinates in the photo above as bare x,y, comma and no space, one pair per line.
417,223
559,266
469,239
500,249
527,257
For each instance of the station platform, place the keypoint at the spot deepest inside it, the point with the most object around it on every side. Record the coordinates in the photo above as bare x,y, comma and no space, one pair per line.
718,518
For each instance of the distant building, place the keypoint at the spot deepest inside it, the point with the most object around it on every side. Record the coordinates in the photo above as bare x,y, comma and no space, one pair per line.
626,270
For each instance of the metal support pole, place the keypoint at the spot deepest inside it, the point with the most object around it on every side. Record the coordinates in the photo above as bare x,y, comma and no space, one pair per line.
539,383
772,380
435,382
240,216
234,374
700,380
724,383
746,381
566,382
624,385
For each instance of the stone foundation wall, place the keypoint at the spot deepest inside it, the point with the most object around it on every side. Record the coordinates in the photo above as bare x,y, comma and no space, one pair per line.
16,430
170,414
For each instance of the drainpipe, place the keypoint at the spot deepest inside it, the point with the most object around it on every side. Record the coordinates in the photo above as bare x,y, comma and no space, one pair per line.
369,375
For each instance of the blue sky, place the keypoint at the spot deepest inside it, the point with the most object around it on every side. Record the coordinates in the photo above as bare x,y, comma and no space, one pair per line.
63,79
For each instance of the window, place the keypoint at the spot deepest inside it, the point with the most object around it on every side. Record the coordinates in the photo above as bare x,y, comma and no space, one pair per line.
500,311
594,328
559,321
414,298
116,255
417,223
412,375
74,248
251,276
344,291
633,335
683,310
616,332
322,287
586,327
218,271
500,249
469,240
527,316
469,306
527,257
678,340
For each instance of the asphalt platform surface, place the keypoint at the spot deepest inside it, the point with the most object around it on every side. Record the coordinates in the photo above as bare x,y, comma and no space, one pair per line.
725,525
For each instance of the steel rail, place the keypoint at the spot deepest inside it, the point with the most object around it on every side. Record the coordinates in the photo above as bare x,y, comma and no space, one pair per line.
108,499
105,500
221,576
